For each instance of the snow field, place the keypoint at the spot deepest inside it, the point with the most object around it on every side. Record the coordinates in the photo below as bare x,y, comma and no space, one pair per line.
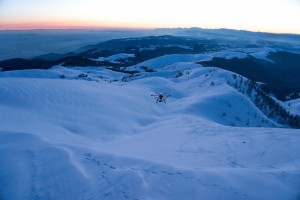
77,139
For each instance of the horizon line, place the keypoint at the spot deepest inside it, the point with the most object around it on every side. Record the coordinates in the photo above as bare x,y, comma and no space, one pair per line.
45,28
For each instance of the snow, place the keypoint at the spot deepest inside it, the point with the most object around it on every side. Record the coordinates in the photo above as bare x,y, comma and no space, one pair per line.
239,53
230,55
149,48
294,106
259,53
120,56
154,47
97,137
179,46
163,61
115,58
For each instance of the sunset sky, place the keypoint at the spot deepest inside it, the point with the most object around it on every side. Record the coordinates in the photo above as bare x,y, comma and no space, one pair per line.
279,16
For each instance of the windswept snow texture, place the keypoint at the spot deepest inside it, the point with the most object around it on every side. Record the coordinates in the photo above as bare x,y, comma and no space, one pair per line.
92,133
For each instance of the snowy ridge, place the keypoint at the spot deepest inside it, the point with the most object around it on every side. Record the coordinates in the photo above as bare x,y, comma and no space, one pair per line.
114,58
93,133
259,53
240,53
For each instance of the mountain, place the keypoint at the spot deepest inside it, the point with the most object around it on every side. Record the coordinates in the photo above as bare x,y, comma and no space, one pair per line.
274,64
279,73
87,126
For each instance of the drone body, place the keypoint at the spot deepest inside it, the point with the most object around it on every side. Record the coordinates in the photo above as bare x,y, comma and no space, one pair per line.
160,97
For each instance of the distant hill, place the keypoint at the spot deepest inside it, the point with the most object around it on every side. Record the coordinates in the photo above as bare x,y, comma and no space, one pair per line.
280,76
264,61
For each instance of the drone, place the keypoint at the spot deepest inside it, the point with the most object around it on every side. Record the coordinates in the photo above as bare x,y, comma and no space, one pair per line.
160,97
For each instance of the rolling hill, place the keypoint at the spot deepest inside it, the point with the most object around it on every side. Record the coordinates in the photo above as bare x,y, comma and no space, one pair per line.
87,127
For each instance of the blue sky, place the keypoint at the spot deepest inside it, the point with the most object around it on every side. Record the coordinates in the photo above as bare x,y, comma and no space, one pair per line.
280,16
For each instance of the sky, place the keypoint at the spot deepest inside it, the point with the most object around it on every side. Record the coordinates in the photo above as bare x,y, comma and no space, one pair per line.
276,16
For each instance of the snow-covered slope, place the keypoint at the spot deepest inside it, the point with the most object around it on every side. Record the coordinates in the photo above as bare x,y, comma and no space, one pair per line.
240,53
115,58
295,105
94,136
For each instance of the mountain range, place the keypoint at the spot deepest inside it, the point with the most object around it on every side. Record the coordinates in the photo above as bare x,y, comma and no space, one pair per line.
86,124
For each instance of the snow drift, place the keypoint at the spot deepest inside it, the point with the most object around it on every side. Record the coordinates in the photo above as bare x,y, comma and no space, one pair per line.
98,137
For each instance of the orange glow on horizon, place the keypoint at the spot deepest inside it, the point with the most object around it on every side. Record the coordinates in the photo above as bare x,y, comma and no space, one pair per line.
74,25
61,25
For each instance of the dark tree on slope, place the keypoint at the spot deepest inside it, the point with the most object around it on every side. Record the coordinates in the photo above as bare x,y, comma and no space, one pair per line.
266,104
